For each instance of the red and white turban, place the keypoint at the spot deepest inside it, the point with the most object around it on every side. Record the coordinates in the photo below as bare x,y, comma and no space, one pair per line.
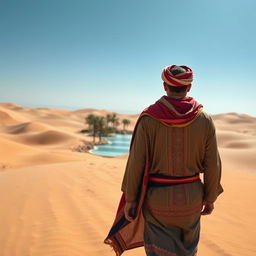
179,79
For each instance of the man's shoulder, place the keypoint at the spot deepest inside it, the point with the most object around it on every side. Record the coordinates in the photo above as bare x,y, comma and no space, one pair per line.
206,116
147,119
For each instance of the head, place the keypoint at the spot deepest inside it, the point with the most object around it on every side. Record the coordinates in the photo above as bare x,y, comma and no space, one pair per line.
177,80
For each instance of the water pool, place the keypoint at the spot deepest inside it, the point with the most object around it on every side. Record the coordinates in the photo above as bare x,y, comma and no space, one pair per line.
118,145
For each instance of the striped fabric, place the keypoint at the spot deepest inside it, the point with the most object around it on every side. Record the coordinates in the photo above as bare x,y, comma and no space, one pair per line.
179,79
159,180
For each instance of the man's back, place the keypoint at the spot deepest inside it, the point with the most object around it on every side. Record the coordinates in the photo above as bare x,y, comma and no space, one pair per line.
173,141
175,151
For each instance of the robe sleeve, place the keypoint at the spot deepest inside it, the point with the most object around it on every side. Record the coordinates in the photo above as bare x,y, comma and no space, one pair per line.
136,162
212,166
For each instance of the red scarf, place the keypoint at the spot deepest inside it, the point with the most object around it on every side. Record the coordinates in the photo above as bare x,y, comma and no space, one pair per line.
125,235
183,112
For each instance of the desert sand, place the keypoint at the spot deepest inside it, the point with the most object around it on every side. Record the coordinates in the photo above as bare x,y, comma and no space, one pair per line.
55,201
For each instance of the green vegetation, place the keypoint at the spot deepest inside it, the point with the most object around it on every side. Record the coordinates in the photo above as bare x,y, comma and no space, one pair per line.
100,126
126,123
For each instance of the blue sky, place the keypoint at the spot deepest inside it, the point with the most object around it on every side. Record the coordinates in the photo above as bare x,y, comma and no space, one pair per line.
109,54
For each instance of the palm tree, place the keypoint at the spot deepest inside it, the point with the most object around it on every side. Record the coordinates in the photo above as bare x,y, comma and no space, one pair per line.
114,120
108,119
95,126
101,126
116,123
94,123
125,122
90,120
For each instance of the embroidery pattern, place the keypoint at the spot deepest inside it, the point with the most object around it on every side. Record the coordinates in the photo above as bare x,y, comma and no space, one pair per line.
177,149
176,213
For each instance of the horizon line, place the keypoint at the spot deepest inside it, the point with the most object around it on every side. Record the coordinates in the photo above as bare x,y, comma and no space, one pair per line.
76,108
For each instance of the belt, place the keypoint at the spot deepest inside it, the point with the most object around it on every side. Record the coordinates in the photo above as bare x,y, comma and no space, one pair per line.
159,180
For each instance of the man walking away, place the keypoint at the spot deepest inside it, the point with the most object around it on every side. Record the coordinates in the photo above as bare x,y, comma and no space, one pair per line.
163,197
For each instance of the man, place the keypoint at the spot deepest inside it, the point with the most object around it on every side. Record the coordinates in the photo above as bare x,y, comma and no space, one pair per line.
163,197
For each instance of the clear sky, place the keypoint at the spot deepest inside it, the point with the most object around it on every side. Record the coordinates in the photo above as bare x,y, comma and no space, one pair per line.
109,54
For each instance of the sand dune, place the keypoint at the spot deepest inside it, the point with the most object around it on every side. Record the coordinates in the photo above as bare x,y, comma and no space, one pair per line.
235,140
12,106
56,212
91,111
11,117
8,147
235,118
63,209
239,123
26,127
49,137
15,154
33,142
6,119
59,202
11,151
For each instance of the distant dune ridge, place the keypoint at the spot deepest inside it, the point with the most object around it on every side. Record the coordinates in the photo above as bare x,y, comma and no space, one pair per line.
56,201
45,129
6,119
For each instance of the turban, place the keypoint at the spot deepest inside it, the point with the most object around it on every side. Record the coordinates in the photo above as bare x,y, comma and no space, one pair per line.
180,79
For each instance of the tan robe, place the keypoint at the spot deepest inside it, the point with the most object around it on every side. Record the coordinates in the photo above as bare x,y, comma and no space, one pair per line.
174,151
